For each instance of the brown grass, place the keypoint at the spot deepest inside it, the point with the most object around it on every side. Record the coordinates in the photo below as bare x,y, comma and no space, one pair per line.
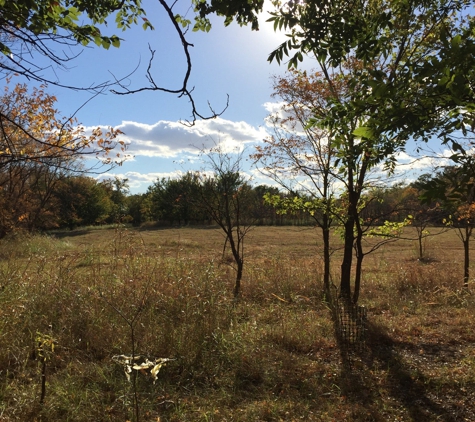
271,357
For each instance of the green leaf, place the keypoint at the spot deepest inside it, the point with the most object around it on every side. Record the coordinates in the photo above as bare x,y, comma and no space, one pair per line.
115,41
364,132
456,41
98,40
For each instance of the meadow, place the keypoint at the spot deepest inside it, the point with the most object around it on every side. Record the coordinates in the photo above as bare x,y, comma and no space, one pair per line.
74,305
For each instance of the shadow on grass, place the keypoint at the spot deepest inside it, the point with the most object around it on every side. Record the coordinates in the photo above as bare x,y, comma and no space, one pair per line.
63,234
166,226
401,386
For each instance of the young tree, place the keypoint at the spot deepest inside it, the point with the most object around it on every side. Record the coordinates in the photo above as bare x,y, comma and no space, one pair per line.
423,216
317,158
454,187
226,197
301,158
341,156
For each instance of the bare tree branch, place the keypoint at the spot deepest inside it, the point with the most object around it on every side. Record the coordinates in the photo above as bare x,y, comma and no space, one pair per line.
184,90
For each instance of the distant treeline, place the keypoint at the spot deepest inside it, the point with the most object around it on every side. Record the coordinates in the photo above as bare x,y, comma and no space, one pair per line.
43,201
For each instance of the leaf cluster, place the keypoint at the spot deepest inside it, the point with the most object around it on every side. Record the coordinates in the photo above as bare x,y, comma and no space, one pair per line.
38,148
78,19
416,78
242,11
31,130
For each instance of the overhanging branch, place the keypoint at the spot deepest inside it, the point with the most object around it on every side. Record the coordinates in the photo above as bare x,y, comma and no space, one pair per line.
184,90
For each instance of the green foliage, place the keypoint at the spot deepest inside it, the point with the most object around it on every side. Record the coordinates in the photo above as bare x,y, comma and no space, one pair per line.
137,209
294,204
79,19
82,201
175,200
242,11
452,186
389,229
408,50
182,200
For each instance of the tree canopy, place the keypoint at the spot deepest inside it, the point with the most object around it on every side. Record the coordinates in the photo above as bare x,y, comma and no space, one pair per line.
47,28
37,148
79,19
417,55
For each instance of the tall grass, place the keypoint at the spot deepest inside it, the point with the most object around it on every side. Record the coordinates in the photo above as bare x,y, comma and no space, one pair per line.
181,307
272,356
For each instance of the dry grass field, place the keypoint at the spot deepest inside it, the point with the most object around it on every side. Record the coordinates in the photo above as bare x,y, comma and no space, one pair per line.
71,302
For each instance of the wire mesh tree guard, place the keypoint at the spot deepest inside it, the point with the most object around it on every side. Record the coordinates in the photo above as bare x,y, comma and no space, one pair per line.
351,325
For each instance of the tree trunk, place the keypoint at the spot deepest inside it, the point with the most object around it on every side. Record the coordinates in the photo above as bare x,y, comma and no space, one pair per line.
421,250
236,249
466,261
326,254
237,284
359,262
352,218
345,282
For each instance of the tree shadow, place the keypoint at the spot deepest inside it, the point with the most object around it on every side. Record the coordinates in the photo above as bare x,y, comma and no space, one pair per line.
63,234
405,385
167,226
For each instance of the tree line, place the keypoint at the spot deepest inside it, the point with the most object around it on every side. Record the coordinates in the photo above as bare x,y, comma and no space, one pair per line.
37,199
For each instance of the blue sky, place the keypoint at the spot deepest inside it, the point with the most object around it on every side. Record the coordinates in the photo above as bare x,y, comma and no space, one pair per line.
226,61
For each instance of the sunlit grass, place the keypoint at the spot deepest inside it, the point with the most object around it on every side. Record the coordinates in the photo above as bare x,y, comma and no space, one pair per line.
271,356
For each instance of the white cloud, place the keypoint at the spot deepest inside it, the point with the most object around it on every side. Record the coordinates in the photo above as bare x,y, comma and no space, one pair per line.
173,144
140,181
167,149
423,162
274,107
168,139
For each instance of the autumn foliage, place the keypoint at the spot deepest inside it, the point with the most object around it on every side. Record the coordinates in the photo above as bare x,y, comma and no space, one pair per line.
38,149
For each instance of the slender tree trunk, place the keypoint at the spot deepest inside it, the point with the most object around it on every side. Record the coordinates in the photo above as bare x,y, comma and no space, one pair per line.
325,227
239,265
466,261
359,262
236,249
345,282
352,211
359,266
326,259
419,238
326,222
352,222
237,284
352,218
